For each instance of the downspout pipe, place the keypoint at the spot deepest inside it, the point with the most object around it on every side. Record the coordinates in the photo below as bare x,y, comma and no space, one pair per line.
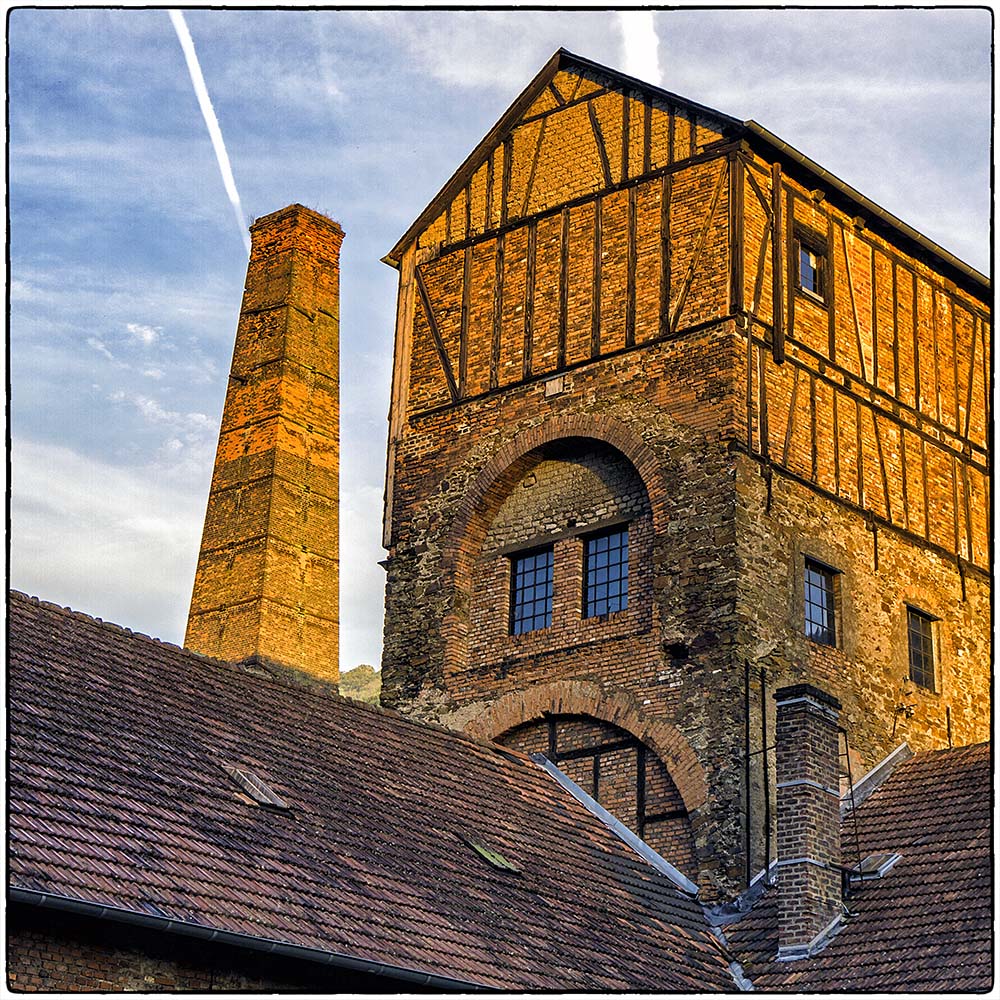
98,911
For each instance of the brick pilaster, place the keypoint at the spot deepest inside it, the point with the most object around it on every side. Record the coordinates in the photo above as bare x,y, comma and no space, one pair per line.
268,571
807,755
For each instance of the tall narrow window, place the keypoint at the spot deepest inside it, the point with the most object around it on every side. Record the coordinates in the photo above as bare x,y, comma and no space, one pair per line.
811,264
531,591
920,640
821,623
605,578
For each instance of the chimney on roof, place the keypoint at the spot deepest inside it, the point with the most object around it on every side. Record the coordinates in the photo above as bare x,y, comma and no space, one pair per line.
807,751
266,587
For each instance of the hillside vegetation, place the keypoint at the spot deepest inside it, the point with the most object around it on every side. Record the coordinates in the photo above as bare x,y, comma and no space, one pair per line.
362,683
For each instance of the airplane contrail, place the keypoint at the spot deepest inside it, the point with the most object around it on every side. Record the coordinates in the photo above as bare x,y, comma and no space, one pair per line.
208,112
640,44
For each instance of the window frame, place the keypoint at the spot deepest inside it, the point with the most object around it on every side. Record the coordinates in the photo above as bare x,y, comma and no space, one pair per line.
832,609
623,578
925,652
514,620
810,241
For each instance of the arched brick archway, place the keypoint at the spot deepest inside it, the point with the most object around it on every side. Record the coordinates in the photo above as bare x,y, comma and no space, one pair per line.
502,470
464,539
578,697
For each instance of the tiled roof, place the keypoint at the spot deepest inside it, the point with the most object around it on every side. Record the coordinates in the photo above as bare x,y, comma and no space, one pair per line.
118,795
926,924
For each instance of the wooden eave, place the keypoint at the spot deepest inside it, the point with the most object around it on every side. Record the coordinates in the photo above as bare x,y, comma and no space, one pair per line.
758,136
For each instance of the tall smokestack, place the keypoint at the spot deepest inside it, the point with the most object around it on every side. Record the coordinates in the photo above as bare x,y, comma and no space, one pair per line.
807,748
266,587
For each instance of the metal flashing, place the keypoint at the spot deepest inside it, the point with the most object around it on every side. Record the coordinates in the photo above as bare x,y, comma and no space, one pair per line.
764,873
808,782
736,909
792,953
804,860
640,847
871,780
826,710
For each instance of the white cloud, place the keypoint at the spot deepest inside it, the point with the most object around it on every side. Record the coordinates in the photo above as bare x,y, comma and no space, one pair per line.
120,543
100,347
141,333
640,45
194,427
24,291
481,49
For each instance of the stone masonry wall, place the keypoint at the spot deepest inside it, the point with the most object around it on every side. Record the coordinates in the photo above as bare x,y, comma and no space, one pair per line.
867,450
868,668
678,633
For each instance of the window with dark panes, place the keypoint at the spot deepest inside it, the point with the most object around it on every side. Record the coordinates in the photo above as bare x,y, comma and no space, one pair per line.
821,623
811,264
920,640
605,574
531,591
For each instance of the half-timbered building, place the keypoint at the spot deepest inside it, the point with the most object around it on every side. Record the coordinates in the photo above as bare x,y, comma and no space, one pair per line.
686,513
679,417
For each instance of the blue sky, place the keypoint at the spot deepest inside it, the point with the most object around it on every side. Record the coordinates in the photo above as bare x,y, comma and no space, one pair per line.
127,266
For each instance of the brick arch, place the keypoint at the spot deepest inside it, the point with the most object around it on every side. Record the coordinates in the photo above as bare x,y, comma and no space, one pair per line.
503,468
575,697
465,537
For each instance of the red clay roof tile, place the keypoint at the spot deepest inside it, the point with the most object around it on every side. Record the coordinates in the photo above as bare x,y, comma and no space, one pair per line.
119,795
927,924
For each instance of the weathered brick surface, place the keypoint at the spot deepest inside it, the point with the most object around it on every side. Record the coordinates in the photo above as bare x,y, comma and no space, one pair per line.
446,557
807,749
267,579
624,305
56,953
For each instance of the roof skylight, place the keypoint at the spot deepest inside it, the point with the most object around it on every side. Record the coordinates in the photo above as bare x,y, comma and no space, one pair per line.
491,856
874,866
257,789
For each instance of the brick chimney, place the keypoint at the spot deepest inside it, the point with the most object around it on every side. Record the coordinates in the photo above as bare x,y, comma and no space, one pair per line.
807,749
266,586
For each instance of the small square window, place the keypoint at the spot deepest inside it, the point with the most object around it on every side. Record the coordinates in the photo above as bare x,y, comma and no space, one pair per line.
820,603
811,263
920,642
605,573
531,591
